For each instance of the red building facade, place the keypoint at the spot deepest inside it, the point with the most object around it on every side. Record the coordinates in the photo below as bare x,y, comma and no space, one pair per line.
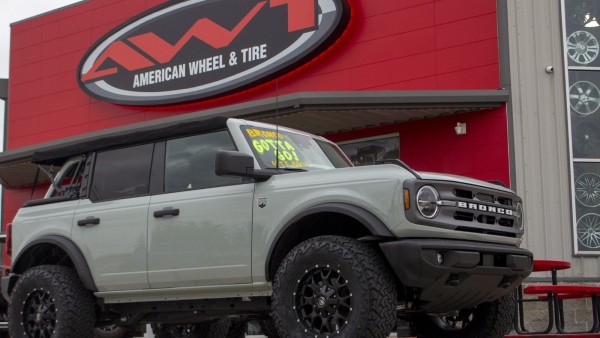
396,49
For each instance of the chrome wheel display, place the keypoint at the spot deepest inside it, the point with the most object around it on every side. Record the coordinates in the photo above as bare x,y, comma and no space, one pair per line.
323,301
580,12
582,47
588,231
584,97
587,189
586,138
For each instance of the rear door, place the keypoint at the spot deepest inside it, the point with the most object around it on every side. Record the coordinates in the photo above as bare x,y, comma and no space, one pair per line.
111,225
200,226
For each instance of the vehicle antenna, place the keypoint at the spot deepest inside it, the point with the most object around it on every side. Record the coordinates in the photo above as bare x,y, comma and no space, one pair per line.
277,123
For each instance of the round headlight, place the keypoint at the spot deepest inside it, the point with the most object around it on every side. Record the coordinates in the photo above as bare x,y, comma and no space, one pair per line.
427,199
520,216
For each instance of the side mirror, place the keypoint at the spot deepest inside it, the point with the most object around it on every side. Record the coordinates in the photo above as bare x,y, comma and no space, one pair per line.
236,164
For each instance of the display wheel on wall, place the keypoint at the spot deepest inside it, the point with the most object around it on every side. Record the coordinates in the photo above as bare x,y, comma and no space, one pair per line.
587,190
588,231
584,97
580,12
586,139
582,47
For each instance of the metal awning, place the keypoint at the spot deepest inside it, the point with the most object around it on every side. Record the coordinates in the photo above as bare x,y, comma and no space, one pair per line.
319,113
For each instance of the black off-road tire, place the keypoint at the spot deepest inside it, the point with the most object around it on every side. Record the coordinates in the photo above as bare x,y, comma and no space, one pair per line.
267,327
332,286
489,320
238,328
52,300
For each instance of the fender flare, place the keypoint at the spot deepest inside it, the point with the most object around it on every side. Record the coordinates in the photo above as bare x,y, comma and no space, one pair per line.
70,249
370,221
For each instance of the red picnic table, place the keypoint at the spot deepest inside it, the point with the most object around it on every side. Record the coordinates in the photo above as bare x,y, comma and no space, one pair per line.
554,294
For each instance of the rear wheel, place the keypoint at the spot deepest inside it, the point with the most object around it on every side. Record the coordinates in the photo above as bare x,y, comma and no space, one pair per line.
490,320
50,301
334,286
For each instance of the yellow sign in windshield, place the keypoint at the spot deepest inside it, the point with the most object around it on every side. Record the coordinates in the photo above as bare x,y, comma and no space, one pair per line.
275,148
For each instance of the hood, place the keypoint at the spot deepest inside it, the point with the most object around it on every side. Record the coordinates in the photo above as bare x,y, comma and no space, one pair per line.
462,179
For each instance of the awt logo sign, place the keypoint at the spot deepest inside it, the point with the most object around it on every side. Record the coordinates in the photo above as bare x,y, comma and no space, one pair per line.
197,49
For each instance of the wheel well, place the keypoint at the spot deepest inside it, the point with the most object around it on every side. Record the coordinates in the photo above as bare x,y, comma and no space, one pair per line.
42,254
317,224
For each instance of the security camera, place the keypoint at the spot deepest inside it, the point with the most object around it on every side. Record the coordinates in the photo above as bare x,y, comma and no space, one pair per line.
549,69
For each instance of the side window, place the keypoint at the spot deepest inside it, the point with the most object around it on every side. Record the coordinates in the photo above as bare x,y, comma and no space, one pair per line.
190,162
122,173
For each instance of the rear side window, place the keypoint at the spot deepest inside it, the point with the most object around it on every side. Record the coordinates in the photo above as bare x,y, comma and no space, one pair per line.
122,173
190,162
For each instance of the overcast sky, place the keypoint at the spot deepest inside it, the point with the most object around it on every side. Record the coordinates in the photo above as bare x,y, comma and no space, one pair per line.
17,10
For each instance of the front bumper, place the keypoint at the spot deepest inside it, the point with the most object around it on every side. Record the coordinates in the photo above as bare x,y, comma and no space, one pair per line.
471,272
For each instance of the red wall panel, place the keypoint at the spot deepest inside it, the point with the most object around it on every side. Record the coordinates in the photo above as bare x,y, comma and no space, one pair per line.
389,45
432,144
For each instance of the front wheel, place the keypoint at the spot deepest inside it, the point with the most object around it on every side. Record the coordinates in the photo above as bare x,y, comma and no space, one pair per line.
334,286
50,301
490,320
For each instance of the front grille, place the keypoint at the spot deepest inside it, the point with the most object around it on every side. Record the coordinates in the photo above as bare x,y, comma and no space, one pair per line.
461,193
464,216
505,222
466,207
485,219
505,201
485,197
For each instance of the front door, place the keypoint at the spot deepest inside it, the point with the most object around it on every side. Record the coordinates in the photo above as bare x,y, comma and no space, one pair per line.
200,228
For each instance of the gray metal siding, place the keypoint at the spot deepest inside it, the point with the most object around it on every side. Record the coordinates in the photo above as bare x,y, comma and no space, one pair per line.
540,132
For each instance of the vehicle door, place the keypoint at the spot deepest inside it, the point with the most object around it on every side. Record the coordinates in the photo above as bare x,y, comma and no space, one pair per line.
111,225
199,228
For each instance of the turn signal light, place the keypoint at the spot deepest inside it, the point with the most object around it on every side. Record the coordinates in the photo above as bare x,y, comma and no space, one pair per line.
406,199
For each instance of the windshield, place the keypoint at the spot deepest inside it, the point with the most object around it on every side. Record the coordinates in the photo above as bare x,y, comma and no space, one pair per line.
292,151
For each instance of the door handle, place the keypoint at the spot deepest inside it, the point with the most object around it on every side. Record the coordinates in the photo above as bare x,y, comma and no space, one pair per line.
88,221
166,212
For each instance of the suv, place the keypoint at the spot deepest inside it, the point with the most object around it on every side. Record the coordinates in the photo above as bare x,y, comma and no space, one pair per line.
188,226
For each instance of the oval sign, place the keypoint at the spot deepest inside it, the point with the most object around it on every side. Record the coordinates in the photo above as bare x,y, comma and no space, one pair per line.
197,49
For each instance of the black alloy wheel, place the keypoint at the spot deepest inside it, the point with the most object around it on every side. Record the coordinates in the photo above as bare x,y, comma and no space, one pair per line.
39,314
334,286
323,301
50,301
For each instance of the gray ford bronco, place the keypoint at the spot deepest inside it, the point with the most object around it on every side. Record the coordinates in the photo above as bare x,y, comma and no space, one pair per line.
195,226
